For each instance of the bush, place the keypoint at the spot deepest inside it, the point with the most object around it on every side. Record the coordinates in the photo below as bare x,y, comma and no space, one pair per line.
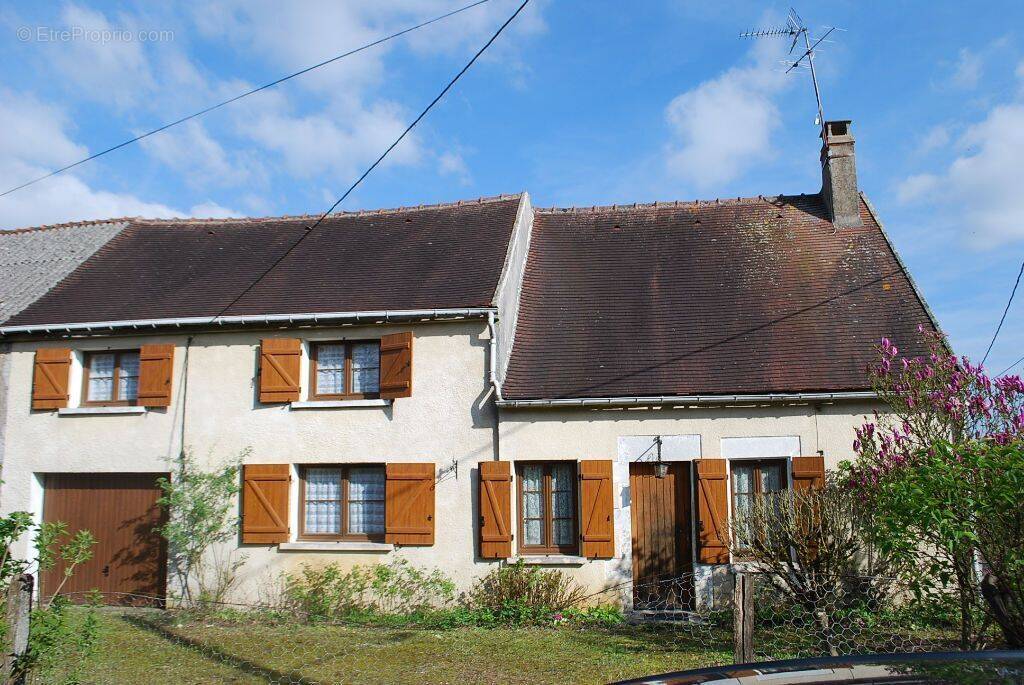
518,594
396,588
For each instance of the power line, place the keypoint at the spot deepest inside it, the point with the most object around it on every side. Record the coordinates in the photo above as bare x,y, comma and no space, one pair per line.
1003,317
245,94
1003,372
309,229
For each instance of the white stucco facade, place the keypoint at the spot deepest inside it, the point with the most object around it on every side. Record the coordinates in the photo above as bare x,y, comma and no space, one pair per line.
450,420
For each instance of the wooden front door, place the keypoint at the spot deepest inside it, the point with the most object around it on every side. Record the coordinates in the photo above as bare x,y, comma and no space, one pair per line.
129,562
662,553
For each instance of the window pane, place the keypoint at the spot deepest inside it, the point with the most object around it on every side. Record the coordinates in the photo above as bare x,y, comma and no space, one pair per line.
128,376
563,533
742,478
366,500
771,478
533,504
101,377
532,532
366,367
323,501
741,506
330,369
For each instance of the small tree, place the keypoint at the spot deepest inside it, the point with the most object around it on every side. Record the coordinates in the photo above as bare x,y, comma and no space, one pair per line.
809,542
922,513
201,518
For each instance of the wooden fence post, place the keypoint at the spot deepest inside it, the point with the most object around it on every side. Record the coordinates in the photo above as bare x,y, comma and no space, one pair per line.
19,606
743,618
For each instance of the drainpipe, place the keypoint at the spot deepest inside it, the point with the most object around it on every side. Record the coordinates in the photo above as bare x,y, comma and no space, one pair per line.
493,370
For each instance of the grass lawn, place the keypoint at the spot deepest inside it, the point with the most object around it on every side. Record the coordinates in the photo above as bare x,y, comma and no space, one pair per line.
151,648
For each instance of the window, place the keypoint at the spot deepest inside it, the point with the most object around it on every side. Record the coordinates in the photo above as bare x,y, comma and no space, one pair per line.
342,503
750,478
344,370
111,378
547,507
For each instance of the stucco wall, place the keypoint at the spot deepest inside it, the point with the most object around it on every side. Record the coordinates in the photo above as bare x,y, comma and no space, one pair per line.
448,419
687,434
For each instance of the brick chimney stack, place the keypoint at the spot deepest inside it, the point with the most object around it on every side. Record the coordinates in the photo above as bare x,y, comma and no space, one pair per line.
839,175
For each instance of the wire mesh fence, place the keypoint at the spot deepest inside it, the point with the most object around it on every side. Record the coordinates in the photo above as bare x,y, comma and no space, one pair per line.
632,629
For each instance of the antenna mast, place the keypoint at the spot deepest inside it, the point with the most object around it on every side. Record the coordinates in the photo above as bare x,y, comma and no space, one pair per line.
796,29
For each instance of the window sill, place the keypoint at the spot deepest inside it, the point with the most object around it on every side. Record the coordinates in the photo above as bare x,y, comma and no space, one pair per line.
338,404
341,546
552,560
82,411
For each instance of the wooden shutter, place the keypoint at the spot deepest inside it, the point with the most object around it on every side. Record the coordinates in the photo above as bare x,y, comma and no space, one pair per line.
396,365
495,509
597,509
50,378
279,370
808,472
265,490
156,367
712,511
409,504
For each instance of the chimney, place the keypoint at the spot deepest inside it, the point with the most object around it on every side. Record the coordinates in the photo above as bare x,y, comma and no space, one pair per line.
839,175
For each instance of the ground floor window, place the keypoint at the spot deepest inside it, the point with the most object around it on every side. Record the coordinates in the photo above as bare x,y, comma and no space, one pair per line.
342,502
750,478
547,507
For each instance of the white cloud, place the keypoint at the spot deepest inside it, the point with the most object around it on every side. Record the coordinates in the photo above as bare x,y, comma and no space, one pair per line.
34,142
967,70
937,137
212,210
451,163
201,160
981,188
724,126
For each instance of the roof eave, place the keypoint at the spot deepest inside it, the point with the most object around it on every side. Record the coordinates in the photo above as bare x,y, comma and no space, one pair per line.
688,400
297,319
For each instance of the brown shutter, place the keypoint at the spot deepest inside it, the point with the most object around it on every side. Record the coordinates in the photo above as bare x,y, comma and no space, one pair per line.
409,504
495,509
597,509
808,472
712,511
265,503
156,366
396,365
279,370
50,378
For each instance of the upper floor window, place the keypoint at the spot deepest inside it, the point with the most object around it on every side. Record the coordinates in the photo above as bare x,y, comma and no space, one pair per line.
547,507
344,370
749,479
342,502
111,378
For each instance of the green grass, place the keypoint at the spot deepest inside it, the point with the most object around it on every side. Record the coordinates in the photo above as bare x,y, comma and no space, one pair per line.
153,647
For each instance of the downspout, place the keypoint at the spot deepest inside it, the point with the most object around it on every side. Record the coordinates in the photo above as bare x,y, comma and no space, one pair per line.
493,370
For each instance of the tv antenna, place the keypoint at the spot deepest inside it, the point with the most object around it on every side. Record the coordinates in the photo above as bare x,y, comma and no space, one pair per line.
796,29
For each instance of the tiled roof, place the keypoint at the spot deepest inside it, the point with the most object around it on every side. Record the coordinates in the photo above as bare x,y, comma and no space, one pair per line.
33,260
429,257
755,295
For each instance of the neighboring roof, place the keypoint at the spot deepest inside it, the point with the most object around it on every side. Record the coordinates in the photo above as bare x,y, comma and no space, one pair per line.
430,257
34,260
746,296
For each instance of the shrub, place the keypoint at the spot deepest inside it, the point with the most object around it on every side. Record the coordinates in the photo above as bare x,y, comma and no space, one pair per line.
517,593
396,588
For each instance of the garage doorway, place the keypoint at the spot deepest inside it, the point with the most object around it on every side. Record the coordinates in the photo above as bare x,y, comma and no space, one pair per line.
129,562
662,550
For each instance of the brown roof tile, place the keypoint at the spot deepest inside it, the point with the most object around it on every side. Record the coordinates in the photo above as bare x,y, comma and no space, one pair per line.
742,296
433,257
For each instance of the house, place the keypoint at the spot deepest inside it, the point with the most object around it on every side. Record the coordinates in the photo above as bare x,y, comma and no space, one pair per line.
461,384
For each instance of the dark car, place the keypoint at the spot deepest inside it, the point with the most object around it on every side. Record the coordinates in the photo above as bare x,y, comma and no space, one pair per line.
947,667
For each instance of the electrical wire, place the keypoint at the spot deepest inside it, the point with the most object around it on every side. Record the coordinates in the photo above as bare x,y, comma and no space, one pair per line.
1003,317
243,95
309,229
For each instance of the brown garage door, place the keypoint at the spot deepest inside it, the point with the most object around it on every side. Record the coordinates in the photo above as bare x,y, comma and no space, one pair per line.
121,511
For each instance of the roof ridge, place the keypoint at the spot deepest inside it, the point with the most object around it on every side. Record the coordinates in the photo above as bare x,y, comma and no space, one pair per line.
69,224
360,212
660,204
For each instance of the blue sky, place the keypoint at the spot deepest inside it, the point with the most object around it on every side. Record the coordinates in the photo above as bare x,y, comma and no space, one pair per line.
579,103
